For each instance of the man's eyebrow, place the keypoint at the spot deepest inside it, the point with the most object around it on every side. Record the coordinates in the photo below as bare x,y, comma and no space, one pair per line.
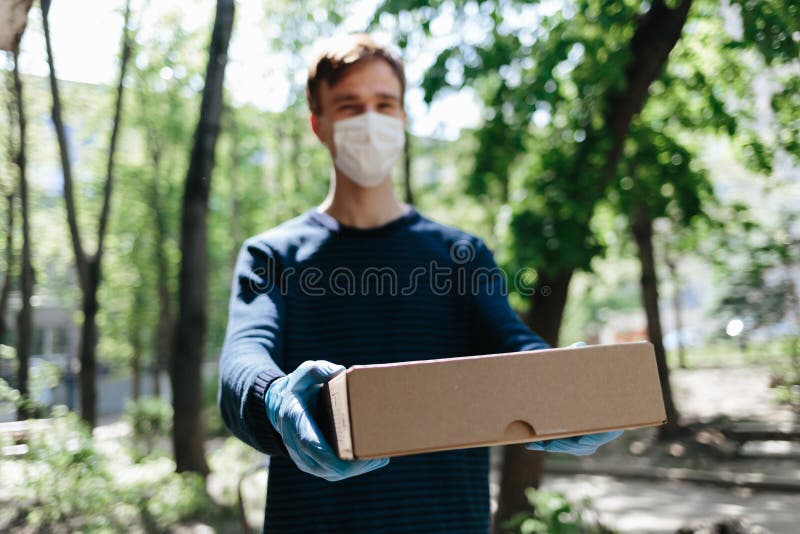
349,97
389,96
345,97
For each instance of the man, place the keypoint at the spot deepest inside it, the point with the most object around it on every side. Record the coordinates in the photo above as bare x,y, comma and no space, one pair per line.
361,279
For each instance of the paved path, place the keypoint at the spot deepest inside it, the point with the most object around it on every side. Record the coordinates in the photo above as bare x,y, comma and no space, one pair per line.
738,392
656,507
642,507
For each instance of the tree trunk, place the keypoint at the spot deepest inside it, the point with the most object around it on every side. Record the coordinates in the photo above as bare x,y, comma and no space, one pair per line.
5,292
547,305
136,366
135,336
233,176
655,36
163,352
297,150
408,192
522,468
89,272
190,329
677,309
643,234
657,32
87,349
164,325
25,318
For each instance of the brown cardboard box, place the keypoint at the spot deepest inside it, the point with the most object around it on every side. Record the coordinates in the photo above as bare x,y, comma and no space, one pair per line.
375,411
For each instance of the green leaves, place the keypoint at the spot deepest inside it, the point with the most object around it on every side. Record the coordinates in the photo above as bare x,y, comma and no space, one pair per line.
658,171
773,27
785,104
555,514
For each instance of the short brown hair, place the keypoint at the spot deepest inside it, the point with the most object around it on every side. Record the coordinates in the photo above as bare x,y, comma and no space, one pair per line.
339,55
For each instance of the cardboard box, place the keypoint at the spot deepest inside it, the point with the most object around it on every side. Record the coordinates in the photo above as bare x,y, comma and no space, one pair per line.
375,411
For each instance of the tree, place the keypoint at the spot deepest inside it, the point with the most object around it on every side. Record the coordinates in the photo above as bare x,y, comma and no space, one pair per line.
608,58
190,328
9,192
762,290
660,180
88,267
561,91
161,120
5,290
25,317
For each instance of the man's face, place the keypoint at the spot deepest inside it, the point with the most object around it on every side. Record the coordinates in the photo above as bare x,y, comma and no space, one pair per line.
368,86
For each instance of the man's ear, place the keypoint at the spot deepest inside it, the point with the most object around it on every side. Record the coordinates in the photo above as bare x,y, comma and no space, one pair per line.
314,122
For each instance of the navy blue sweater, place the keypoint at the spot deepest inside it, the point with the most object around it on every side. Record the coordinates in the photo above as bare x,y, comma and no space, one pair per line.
412,289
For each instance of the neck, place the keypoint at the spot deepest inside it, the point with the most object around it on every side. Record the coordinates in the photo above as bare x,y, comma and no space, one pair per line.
361,207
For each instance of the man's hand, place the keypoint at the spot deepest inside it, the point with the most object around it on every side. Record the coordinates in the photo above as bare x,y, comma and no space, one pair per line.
577,445
290,401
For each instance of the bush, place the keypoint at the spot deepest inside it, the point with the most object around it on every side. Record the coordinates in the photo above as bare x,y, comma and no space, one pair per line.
150,419
66,478
70,481
554,514
43,376
212,418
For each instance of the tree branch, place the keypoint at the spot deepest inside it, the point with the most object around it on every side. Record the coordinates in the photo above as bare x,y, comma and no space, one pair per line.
81,263
656,35
125,57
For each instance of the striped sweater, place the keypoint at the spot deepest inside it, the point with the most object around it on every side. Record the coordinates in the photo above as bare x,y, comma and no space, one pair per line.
411,289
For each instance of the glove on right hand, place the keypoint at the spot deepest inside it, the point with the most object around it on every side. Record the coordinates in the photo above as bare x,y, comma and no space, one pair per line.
290,400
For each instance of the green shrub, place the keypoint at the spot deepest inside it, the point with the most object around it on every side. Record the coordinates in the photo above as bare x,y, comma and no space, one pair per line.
786,394
68,481
42,377
554,514
150,419
212,418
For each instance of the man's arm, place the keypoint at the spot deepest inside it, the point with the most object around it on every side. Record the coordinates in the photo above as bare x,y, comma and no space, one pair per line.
253,343
496,326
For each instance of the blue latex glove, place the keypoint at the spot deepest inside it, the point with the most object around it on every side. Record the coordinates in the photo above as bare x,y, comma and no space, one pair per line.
290,401
577,445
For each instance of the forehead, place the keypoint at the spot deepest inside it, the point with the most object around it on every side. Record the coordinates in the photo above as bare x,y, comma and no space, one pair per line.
369,79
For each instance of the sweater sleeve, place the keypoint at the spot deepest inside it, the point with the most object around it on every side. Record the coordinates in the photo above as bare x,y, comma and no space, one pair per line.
495,325
252,348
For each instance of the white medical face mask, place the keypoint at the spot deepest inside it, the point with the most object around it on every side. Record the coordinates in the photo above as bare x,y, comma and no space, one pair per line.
367,146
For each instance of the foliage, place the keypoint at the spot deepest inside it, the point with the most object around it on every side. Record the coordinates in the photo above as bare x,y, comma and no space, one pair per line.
65,476
530,174
150,419
229,463
555,514
212,418
788,394
43,376
547,77
9,398
68,479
